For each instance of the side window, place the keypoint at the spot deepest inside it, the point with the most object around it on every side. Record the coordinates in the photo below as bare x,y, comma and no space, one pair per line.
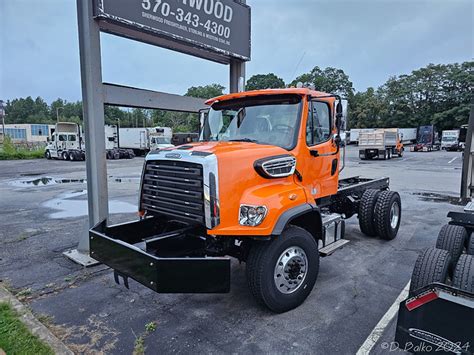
318,128
71,138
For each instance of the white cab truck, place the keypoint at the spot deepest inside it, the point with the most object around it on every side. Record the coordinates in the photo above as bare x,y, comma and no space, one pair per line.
67,143
144,140
380,143
450,140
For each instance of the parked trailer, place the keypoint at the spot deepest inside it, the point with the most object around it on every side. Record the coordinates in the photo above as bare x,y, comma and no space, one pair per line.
144,140
450,140
408,135
427,139
438,315
264,204
112,144
381,144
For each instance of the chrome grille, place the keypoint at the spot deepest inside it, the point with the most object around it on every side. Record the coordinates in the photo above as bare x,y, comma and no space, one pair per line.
174,188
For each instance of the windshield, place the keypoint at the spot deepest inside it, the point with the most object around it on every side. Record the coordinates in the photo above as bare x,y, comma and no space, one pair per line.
161,140
265,120
449,139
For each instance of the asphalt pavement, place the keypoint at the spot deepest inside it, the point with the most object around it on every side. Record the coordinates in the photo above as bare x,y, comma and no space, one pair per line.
43,212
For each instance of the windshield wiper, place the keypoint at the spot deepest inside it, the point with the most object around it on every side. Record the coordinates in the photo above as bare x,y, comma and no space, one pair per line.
243,140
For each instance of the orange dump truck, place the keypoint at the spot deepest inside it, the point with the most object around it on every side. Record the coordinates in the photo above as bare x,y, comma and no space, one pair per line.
261,185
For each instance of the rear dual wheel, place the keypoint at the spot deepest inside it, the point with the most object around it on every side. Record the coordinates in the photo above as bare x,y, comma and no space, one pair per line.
380,213
281,273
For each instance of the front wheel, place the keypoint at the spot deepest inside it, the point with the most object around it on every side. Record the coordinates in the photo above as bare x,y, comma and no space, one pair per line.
47,155
281,273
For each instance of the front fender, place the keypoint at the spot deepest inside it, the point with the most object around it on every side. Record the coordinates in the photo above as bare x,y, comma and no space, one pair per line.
278,197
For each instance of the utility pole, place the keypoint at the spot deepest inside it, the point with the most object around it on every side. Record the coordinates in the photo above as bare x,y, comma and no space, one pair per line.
57,113
2,113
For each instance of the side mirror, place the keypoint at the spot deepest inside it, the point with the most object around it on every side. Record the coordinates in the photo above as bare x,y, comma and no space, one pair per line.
339,115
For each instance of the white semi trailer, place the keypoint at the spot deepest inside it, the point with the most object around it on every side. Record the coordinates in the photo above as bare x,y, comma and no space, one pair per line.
143,140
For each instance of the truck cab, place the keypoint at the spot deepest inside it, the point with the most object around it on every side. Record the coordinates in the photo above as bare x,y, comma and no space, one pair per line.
261,185
160,138
66,142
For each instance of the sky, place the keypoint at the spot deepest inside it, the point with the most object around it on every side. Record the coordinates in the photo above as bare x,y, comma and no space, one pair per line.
370,40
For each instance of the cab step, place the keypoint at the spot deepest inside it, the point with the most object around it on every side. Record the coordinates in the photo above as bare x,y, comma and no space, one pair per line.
331,248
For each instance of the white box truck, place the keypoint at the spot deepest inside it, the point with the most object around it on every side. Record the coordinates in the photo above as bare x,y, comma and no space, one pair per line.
381,143
450,140
408,135
143,140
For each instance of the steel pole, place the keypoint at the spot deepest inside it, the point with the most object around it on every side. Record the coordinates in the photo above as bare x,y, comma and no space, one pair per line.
93,113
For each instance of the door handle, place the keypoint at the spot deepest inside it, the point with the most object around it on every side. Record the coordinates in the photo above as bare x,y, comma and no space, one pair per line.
314,153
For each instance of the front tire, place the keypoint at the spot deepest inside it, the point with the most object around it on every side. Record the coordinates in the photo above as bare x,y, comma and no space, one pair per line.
281,273
47,155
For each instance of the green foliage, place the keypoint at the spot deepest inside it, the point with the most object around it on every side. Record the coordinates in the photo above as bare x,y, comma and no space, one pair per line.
436,94
264,81
10,152
330,80
15,338
205,92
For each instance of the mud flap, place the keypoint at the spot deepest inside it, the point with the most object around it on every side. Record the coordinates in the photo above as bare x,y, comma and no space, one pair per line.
162,274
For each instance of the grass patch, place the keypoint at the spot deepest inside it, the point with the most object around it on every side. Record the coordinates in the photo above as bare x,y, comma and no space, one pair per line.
10,152
15,338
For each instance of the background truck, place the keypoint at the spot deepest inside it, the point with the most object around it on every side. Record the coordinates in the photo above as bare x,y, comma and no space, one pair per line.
144,140
437,317
427,139
450,140
380,143
408,135
355,132
67,143
184,138
262,185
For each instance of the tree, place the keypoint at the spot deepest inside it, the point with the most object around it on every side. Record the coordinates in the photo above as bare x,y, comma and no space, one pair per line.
264,81
205,92
330,80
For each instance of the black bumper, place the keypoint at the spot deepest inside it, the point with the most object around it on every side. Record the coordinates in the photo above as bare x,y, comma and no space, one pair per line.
437,320
164,259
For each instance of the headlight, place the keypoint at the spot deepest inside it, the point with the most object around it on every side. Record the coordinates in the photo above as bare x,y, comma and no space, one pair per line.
252,215
276,167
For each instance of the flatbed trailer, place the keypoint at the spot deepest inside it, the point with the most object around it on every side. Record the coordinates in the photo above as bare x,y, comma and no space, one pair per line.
170,257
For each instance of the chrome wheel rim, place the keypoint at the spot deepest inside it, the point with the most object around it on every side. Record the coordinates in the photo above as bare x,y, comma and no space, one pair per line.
290,270
394,215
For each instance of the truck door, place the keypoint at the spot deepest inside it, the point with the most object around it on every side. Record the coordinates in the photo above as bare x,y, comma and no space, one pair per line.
320,155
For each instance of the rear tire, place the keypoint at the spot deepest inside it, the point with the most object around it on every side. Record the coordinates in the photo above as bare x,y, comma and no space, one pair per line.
389,154
72,156
274,267
388,214
431,266
400,153
463,277
452,239
64,156
366,212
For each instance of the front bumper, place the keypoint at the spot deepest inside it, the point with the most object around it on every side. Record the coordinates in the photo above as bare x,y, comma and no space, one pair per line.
161,256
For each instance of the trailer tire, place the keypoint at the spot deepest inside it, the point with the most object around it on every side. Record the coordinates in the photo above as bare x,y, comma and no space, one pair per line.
388,214
108,155
47,155
431,266
452,239
116,155
366,212
269,259
463,277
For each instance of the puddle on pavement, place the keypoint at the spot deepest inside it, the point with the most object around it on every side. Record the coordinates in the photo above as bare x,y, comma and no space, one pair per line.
44,181
434,197
48,181
68,206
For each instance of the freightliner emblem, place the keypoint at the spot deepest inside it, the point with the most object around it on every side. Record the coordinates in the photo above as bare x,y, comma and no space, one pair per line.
173,155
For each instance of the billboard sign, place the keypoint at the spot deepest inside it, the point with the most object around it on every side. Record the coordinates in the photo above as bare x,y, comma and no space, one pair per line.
213,29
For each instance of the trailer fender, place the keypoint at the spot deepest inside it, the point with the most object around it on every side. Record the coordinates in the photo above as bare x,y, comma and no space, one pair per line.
306,216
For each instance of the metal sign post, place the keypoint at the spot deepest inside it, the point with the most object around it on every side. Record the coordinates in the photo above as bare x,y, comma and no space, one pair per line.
216,30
